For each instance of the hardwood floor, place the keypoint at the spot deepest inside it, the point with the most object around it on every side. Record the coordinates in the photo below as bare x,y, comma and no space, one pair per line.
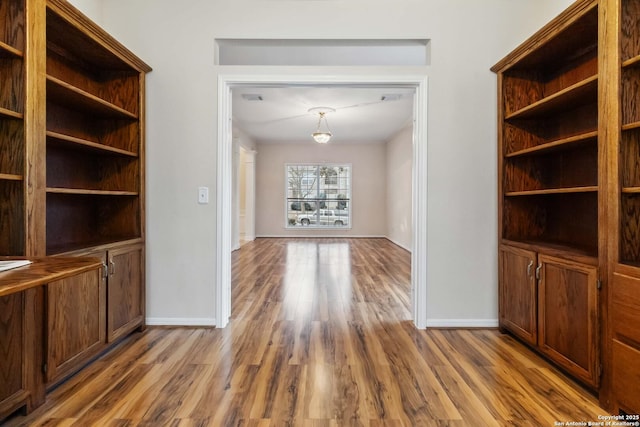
320,336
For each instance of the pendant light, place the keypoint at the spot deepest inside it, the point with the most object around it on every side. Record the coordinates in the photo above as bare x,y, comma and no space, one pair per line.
322,135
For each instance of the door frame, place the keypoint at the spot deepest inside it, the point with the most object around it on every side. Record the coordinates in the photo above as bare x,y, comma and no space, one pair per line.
224,178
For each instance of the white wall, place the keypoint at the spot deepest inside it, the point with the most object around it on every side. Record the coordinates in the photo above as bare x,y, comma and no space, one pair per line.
399,167
368,183
177,40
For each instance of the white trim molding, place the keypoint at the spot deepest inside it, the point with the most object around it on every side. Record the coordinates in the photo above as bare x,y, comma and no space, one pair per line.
462,323
420,261
180,321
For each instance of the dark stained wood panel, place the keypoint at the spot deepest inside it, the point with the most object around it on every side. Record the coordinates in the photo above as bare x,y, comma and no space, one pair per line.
12,23
120,88
566,219
573,167
75,322
74,168
81,221
518,293
525,133
11,345
629,24
630,95
630,229
625,297
12,146
96,46
568,316
626,376
630,158
12,92
12,231
125,291
122,134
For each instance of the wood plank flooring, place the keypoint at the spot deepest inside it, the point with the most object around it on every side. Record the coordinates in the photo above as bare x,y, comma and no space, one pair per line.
320,336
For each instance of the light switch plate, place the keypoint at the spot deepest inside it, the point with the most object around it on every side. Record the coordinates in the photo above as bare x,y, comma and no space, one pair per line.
203,195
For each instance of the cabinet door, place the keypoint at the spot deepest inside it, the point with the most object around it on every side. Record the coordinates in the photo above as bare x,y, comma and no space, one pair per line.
125,291
75,323
568,316
21,355
518,292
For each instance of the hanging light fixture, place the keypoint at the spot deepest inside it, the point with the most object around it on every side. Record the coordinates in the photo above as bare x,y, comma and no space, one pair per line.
322,136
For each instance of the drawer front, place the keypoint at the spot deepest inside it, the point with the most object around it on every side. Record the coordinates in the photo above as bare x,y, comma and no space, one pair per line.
625,303
626,377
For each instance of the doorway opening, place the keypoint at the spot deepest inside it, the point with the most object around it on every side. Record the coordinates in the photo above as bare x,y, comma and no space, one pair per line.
225,172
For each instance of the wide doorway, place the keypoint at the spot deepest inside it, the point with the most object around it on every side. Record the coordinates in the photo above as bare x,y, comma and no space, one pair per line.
225,177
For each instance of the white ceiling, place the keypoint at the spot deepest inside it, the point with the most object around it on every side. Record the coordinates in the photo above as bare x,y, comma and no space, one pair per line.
361,116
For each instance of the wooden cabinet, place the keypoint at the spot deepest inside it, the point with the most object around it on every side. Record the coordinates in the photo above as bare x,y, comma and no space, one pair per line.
21,352
124,284
72,147
551,303
569,187
568,319
75,323
94,135
126,296
43,310
518,293
550,176
12,127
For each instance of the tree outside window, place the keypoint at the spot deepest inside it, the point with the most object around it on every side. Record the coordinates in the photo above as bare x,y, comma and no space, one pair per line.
318,195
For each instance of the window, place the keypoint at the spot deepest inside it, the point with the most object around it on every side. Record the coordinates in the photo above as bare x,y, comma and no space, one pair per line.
318,196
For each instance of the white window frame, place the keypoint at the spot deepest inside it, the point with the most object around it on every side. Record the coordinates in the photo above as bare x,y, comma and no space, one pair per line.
318,226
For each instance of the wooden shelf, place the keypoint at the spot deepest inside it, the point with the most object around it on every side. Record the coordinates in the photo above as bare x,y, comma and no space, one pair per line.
87,192
569,190
11,114
583,254
573,96
80,143
631,62
63,93
631,190
69,248
631,126
10,177
9,51
555,145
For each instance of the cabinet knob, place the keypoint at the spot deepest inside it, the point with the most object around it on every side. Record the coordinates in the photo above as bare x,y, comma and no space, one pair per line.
538,268
529,267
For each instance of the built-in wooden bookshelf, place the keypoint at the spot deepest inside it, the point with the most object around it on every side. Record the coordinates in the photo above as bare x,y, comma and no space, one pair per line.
12,139
550,182
71,181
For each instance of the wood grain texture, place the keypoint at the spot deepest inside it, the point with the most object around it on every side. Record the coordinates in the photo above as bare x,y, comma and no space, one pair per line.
320,335
11,345
76,326
568,316
626,376
629,94
12,230
12,87
42,271
125,290
12,23
630,229
518,293
629,24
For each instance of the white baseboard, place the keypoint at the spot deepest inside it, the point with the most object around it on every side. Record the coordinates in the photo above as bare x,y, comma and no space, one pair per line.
398,244
180,321
319,236
462,323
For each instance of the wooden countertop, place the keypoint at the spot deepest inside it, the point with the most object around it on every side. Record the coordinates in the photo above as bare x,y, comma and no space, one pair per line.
42,271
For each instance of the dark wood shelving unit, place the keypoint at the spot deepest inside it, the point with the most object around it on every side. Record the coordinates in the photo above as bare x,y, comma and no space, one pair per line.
71,183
